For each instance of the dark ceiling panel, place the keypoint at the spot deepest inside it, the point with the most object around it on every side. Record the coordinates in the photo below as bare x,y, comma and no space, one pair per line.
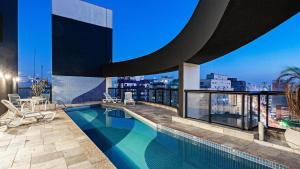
216,28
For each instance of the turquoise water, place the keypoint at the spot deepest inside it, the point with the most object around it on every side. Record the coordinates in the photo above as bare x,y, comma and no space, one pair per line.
131,144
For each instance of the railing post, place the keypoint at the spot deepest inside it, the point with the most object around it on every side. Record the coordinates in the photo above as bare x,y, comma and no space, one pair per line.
50,90
122,93
138,94
162,95
243,111
251,113
258,107
209,107
170,97
267,110
155,96
186,104
148,95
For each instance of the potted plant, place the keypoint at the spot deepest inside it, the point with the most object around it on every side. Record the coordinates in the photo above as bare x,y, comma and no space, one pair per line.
39,87
292,78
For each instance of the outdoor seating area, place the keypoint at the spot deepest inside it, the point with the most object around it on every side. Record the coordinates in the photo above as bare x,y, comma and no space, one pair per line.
31,102
20,111
109,99
127,100
56,144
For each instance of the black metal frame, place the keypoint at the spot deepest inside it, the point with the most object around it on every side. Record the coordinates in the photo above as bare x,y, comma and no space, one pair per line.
244,94
160,95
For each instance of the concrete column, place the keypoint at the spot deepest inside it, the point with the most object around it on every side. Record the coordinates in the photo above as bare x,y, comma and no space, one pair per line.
261,131
108,81
189,79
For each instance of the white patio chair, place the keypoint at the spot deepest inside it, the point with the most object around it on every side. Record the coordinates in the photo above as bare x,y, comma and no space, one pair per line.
19,116
109,99
47,101
14,99
128,98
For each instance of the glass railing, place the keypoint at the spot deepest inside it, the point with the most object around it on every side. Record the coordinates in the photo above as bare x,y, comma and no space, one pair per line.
162,96
240,109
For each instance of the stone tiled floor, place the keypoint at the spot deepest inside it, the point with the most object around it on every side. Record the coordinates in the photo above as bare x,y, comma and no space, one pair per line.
163,117
59,144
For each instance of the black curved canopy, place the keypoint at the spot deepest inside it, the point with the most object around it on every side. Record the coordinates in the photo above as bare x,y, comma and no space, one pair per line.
216,28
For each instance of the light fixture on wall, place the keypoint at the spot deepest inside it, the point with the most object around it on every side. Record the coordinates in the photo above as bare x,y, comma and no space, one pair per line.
1,75
7,76
16,79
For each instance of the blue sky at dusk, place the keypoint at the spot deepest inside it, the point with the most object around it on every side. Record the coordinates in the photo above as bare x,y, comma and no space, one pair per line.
143,26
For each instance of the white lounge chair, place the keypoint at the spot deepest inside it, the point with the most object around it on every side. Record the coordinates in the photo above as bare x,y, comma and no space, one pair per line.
14,99
109,99
19,116
128,98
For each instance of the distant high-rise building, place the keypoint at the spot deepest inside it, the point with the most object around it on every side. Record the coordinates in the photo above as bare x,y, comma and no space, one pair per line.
216,82
238,85
264,86
133,82
174,84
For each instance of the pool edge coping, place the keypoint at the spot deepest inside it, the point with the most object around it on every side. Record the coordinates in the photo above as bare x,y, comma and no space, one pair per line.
233,151
107,159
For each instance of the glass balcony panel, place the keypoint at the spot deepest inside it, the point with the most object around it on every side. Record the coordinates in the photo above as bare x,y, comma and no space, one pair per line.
198,106
227,109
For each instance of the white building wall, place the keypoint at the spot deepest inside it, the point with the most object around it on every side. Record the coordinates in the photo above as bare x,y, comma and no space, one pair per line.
70,89
218,82
83,11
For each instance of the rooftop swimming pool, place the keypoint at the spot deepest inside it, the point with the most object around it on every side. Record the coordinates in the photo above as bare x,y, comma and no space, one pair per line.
130,143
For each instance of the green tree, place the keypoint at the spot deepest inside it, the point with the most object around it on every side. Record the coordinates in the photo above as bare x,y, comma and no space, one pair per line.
291,76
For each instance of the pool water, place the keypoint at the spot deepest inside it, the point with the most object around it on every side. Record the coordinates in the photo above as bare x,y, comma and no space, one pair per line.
130,144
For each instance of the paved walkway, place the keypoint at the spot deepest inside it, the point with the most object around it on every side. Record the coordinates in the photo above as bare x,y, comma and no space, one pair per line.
164,117
59,144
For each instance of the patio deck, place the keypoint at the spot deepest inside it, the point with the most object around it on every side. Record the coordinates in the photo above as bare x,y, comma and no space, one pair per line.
59,144
164,117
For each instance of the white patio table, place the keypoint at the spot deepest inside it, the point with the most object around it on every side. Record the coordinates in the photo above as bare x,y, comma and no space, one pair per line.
33,101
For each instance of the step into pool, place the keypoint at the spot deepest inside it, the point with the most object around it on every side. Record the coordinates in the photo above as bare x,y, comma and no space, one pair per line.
130,144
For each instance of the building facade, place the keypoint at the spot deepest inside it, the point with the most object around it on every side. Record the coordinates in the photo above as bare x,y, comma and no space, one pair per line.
238,85
8,48
216,82
81,45
133,82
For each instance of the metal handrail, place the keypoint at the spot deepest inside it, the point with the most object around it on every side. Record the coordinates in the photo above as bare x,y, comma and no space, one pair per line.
164,96
238,92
